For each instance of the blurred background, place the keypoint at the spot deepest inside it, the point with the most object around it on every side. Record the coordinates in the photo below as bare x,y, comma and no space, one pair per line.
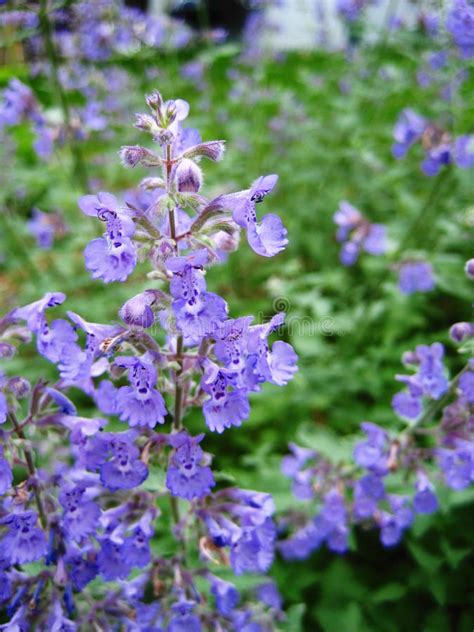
310,90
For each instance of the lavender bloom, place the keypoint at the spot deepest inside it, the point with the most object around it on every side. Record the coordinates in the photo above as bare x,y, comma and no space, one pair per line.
372,453
124,470
80,516
3,408
461,331
228,405
415,276
436,157
393,525
358,234
18,103
457,465
112,562
268,237
424,501
33,313
464,151
407,131
226,595
42,228
469,268
140,404
460,23
253,551
138,312
24,542
331,523
186,477
6,474
183,619
466,385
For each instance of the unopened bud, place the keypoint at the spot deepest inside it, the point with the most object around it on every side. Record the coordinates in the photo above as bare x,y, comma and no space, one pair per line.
145,123
135,155
188,177
461,331
470,268
19,386
214,150
154,101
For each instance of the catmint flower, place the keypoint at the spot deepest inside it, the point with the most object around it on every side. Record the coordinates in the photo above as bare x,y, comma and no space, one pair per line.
132,156
6,474
466,385
138,312
464,149
44,227
140,404
183,619
268,237
33,313
407,131
80,516
3,408
123,470
415,276
469,268
357,234
457,465
214,150
331,523
226,594
460,23
253,551
227,405
186,477
461,331
111,561
188,176
24,542
372,453
424,501
392,525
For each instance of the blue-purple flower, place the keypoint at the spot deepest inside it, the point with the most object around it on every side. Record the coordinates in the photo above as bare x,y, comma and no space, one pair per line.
187,477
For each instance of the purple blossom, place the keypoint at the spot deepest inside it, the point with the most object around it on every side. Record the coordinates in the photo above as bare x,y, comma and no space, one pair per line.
80,516
415,276
227,405
6,474
392,525
226,594
23,542
33,313
182,619
124,470
186,477
466,385
457,465
464,151
372,453
460,23
407,131
140,404
253,550
424,501
357,234
137,311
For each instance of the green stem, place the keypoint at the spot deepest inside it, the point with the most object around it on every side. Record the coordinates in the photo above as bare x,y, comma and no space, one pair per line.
79,169
31,469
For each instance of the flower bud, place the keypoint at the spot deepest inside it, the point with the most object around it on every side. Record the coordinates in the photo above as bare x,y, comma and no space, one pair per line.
188,177
469,268
19,386
6,350
145,123
137,311
154,101
134,155
214,150
461,331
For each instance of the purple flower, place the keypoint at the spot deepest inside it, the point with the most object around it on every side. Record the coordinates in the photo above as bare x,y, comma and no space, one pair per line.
358,234
186,477
372,453
464,151
466,386
3,408
228,405
461,331
124,470
33,313
110,260
112,562
253,551
136,548
424,501
137,311
406,404
457,465
6,474
140,404
415,276
407,131
18,103
226,594
460,23
42,228
393,525
437,156
267,238
331,523
182,619
24,542
80,516
469,268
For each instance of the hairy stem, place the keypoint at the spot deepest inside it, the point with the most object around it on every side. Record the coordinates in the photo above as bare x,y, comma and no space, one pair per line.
31,469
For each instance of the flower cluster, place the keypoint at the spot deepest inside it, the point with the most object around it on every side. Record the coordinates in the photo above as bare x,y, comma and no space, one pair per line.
94,512
369,491
357,234
440,147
